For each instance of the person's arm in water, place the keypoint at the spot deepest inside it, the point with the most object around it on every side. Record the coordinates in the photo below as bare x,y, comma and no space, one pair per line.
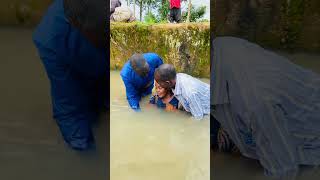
133,96
70,103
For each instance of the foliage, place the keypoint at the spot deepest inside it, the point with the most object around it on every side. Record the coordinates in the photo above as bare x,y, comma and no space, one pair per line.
196,14
163,10
186,46
150,18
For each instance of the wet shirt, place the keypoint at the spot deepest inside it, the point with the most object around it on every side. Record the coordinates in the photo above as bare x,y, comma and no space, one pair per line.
160,104
77,71
57,39
175,4
193,94
137,86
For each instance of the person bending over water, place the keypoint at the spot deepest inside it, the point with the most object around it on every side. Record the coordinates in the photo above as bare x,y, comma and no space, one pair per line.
193,94
268,106
71,43
164,99
138,77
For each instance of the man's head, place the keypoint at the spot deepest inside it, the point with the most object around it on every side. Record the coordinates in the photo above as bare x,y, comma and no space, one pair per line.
165,75
140,65
90,17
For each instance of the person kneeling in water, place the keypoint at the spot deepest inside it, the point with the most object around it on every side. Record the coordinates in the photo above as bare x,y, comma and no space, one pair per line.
164,99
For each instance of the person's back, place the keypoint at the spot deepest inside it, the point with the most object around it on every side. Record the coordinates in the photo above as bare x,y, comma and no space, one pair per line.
56,36
190,90
263,97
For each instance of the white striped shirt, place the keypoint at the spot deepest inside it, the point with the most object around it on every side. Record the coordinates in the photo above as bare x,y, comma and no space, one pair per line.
193,94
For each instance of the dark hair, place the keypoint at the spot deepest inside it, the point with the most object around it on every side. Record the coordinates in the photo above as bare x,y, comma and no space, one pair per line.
165,72
88,15
139,64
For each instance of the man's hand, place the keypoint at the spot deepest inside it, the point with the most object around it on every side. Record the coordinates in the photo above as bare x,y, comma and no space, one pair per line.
136,108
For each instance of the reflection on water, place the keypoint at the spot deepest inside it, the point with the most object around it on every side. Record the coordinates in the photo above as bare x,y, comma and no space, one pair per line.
155,145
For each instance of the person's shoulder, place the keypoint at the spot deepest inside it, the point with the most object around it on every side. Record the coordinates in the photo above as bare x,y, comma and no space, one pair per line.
150,56
153,59
126,69
183,76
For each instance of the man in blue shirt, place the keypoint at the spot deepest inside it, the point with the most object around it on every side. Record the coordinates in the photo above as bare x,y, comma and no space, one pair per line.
71,42
138,77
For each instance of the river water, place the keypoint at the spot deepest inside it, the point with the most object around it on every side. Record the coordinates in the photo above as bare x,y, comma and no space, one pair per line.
153,144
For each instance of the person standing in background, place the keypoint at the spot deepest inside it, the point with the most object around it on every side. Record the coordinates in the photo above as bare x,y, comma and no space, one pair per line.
175,11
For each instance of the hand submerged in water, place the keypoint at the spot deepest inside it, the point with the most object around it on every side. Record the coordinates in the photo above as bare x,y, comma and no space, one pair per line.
136,109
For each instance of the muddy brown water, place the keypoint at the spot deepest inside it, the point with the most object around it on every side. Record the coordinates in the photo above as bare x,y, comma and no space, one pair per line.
153,144
31,146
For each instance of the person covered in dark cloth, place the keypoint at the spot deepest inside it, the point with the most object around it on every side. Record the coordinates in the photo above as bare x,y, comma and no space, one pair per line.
164,99
120,13
219,139
71,41
268,106
138,77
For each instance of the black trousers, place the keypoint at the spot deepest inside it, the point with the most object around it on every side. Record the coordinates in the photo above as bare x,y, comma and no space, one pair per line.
175,15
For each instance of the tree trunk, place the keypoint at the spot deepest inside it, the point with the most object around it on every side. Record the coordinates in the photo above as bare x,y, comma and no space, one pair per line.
189,11
141,9
134,8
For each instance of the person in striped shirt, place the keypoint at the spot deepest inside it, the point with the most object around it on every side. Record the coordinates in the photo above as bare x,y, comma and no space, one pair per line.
193,94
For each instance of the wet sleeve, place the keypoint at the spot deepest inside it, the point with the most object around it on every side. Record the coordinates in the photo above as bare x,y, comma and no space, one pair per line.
275,149
133,96
70,102
148,90
195,107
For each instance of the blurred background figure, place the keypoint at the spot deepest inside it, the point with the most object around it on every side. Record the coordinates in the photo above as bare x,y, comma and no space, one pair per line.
122,14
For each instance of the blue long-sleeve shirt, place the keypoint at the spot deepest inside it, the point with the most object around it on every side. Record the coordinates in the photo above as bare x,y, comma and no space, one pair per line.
136,86
77,71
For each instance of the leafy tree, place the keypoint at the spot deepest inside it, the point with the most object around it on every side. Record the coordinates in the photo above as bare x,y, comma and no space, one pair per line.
195,14
150,18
